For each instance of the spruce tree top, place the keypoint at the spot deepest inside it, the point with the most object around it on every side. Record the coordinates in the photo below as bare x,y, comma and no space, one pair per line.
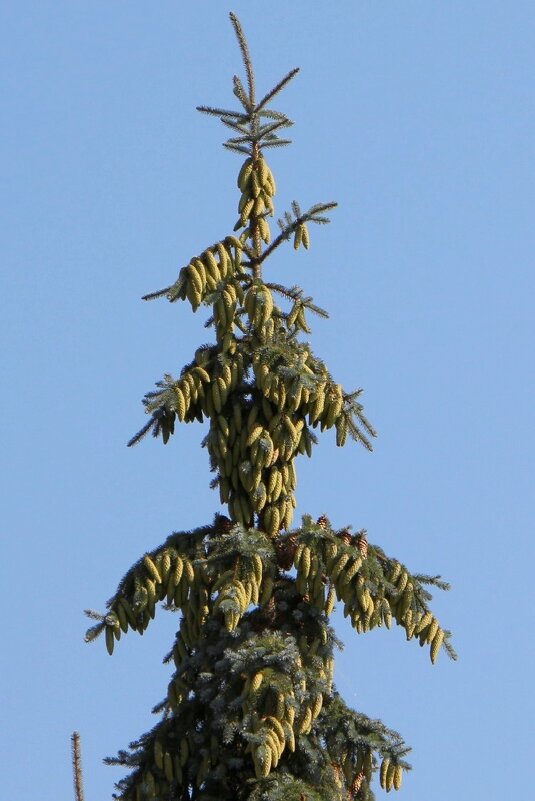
251,712
260,386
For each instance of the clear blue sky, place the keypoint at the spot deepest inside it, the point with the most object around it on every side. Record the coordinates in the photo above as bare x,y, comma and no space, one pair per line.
418,117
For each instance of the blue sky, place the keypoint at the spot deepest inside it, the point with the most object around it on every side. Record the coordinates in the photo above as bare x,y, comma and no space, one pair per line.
419,119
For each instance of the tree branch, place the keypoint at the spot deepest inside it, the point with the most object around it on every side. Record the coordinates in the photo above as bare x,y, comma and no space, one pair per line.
77,767
245,55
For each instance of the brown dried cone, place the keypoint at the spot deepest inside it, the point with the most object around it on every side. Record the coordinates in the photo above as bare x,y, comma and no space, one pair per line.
337,773
356,783
286,552
323,522
223,525
361,542
345,536
270,610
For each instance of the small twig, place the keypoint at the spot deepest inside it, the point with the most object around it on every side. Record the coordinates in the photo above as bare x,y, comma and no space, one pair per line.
246,57
77,767
284,235
281,84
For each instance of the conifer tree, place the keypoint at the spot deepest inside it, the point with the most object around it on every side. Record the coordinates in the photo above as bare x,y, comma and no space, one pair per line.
251,711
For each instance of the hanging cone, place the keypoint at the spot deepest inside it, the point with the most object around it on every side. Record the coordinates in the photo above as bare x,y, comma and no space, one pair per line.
356,783
270,610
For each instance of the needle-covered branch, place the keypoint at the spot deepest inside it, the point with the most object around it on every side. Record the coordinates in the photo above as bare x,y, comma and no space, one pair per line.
253,655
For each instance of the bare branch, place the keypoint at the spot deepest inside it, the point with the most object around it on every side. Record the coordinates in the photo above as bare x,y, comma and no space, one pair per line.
77,767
